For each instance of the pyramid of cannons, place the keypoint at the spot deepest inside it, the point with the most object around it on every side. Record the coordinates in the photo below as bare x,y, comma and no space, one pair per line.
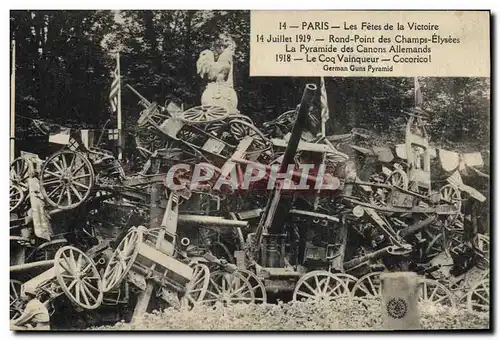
86,233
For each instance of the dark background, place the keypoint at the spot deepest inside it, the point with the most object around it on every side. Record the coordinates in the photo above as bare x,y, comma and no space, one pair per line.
64,60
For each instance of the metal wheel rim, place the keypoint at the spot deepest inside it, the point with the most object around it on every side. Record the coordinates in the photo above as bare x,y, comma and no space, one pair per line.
204,114
258,288
49,246
82,275
228,288
483,286
349,280
238,126
451,195
16,308
65,180
374,288
19,173
16,197
199,283
318,287
398,179
434,297
114,274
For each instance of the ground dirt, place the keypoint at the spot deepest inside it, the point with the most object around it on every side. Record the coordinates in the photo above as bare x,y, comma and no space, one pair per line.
337,315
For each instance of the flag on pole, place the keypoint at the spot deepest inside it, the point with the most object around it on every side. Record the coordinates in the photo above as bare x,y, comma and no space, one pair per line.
115,87
325,114
418,94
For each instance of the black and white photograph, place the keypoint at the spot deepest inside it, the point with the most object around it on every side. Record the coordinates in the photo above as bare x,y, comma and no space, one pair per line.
156,185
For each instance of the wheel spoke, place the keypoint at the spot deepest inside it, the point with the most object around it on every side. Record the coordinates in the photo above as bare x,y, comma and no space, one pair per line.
81,165
68,195
53,191
61,196
309,287
77,194
81,185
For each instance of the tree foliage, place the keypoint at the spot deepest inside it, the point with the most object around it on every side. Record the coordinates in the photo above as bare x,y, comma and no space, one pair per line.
65,59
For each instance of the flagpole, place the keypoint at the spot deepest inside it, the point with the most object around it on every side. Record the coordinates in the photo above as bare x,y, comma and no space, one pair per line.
13,103
325,115
119,108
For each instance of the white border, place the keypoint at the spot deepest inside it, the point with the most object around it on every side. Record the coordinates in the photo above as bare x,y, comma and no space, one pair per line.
198,4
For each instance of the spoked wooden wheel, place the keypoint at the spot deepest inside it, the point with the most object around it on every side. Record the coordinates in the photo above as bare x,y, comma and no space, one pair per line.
433,292
16,304
450,194
47,250
204,114
19,173
478,298
258,288
348,279
66,179
368,287
229,288
148,141
399,179
196,289
455,236
481,245
320,285
78,277
240,129
16,197
122,259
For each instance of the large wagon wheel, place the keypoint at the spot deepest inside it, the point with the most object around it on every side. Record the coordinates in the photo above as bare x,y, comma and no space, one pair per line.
148,141
455,238
229,288
19,173
240,129
481,244
450,194
196,289
433,292
348,279
368,287
78,277
478,298
204,114
320,285
66,179
16,304
16,197
399,179
47,250
122,259
258,288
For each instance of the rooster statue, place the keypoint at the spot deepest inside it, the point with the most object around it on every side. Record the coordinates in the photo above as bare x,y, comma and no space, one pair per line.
219,90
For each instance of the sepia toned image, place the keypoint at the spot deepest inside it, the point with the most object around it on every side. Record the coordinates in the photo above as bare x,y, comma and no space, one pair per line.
212,170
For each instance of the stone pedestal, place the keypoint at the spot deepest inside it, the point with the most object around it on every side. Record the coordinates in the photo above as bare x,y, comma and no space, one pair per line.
400,300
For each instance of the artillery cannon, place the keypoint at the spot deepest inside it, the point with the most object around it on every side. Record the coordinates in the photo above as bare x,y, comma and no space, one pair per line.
72,273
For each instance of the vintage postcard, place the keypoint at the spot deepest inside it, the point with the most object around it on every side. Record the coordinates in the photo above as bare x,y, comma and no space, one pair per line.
249,170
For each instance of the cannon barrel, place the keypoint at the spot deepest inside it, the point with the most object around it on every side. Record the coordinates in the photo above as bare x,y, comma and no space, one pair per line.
368,257
143,101
415,228
31,265
211,221
284,204
298,126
